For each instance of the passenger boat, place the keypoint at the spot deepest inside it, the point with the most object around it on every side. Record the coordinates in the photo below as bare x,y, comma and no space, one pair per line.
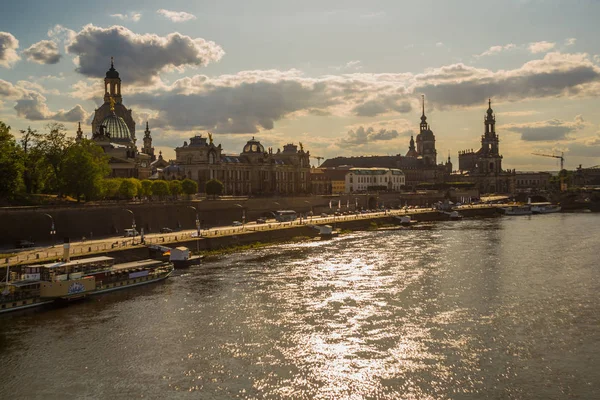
544,208
42,284
517,210
455,216
406,220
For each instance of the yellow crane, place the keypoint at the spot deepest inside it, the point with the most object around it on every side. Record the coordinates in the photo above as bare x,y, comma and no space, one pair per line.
563,187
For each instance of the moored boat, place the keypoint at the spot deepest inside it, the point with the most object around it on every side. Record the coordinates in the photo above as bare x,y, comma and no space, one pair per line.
45,283
517,210
544,208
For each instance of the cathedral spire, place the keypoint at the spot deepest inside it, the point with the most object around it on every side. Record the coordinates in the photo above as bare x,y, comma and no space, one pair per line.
423,104
423,125
79,136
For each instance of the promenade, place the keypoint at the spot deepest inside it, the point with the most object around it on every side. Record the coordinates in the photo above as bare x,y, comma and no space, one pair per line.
115,243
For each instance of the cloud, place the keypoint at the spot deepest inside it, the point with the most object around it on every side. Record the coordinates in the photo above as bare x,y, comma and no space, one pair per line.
8,50
32,106
176,16
9,91
494,50
541,47
375,107
554,129
556,75
139,58
362,136
439,44
350,65
589,148
570,41
30,85
43,52
134,16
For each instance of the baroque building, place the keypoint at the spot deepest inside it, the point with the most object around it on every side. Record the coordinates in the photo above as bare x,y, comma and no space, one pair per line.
113,129
484,167
419,164
255,171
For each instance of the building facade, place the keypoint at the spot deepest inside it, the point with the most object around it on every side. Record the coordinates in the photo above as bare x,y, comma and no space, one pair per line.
532,181
255,171
374,179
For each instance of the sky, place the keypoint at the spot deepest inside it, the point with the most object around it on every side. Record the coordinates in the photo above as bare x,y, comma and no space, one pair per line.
341,77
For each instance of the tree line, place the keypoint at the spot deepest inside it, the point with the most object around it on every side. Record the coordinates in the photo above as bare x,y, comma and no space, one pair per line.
52,163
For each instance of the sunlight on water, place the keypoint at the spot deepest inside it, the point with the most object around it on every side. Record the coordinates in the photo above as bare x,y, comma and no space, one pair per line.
499,308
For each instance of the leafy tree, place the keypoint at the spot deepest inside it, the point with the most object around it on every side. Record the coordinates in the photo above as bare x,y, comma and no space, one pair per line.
110,187
11,162
214,188
35,171
84,167
160,188
175,188
128,189
189,187
54,146
146,188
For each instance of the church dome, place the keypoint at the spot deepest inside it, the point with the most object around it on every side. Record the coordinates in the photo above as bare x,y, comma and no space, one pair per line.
253,146
112,72
427,134
116,128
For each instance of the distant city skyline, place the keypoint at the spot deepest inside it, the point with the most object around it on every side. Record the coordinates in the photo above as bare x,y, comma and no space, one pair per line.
343,77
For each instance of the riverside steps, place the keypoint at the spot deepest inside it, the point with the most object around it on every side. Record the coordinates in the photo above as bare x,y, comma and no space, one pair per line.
128,249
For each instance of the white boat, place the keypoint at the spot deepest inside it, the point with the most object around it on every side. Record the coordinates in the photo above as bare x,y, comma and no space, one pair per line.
517,210
544,208
405,220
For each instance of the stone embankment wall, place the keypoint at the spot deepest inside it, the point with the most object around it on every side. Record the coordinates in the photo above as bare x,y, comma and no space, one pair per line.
96,221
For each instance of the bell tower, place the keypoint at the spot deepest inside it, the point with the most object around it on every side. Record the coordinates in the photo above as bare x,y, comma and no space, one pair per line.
112,84
148,149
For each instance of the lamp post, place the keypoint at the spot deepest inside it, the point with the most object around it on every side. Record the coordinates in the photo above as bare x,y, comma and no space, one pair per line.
132,224
197,229
52,229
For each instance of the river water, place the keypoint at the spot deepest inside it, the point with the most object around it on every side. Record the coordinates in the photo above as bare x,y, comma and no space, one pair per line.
476,309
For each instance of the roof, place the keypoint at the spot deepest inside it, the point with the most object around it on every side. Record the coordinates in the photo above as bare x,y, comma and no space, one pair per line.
81,261
137,264
375,171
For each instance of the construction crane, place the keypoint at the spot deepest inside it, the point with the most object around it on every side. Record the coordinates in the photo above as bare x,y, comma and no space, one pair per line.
318,159
562,166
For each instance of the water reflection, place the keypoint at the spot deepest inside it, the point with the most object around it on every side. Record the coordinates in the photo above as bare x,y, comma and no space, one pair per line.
493,308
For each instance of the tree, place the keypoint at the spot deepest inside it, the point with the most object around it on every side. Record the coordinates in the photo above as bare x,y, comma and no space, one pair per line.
189,187
175,188
35,171
110,188
128,189
160,188
54,146
146,188
11,162
214,188
84,167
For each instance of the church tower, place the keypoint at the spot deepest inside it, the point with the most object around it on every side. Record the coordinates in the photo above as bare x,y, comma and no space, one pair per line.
148,149
112,84
426,140
79,136
412,152
490,152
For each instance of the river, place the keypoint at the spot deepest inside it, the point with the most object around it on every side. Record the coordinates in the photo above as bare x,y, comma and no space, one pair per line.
498,308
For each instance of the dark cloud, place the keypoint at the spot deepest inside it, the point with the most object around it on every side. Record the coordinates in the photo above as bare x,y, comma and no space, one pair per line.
43,52
553,76
32,106
8,49
139,58
375,107
362,136
554,129
243,108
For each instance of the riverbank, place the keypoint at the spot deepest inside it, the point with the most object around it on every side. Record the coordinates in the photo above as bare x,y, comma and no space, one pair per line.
129,249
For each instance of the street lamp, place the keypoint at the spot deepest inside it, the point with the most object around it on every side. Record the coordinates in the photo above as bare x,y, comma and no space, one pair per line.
197,229
52,229
132,224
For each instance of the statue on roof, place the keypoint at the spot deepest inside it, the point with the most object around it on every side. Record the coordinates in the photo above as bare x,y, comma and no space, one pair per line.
210,138
112,104
301,146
